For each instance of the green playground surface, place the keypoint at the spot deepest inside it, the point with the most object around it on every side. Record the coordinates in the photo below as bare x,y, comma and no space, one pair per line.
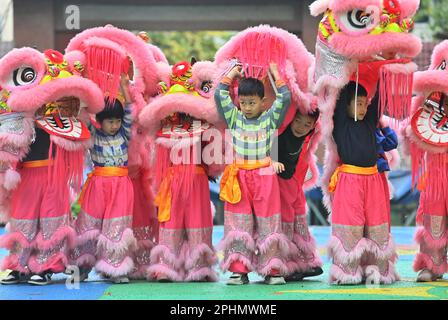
316,288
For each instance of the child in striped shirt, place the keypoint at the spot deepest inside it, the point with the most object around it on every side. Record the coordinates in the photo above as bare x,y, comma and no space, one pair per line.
249,186
104,225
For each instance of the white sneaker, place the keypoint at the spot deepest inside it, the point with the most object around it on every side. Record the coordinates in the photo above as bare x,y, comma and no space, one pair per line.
120,280
40,279
427,276
238,279
274,280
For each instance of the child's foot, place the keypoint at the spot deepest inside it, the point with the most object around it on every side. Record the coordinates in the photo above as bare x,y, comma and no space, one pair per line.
13,277
427,276
274,280
40,279
84,274
238,279
120,280
162,278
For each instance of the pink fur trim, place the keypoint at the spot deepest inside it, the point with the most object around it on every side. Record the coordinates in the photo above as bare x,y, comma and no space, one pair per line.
226,263
198,253
159,56
163,252
372,272
338,276
11,262
202,274
409,7
438,54
123,269
164,270
9,240
75,56
429,81
237,235
347,5
36,96
17,58
387,253
423,236
140,273
318,7
63,233
420,144
336,249
87,236
308,246
86,260
160,108
72,145
58,261
125,244
273,240
12,179
368,45
424,261
274,263
140,52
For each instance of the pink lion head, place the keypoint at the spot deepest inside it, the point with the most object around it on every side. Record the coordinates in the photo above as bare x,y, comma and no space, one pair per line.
429,122
184,109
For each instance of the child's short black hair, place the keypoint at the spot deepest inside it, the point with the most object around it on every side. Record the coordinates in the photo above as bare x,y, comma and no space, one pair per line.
251,87
351,90
313,114
111,111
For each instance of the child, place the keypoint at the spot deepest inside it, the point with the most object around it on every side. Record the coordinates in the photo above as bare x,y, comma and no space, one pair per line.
249,186
303,260
361,246
104,225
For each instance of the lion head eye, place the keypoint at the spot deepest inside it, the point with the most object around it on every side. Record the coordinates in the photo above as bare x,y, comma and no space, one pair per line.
23,76
206,86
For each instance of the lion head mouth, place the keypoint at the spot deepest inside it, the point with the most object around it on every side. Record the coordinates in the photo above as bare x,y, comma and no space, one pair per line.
430,122
180,124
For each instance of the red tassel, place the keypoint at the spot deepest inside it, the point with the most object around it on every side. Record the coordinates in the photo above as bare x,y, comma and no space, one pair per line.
395,93
104,67
258,50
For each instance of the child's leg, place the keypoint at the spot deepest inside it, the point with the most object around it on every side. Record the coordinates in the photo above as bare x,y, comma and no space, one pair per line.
56,235
168,256
271,243
379,264
347,244
200,256
145,227
89,223
116,241
432,236
24,219
308,257
238,243
288,199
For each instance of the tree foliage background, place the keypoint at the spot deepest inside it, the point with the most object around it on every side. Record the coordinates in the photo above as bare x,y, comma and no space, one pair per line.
182,45
436,13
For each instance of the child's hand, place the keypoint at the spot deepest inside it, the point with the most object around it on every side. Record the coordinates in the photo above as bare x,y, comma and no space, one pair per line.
278,167
124,85
235,72
382,123
273,68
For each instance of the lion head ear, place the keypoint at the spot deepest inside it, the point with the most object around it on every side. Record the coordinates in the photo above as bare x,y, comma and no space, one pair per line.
193,61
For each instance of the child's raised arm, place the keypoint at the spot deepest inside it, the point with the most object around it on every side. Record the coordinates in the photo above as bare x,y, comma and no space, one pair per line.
222,97
127,119
283,98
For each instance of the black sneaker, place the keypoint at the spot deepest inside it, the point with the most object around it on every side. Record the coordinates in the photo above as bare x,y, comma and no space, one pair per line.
13,277
40,279
238,279
298,276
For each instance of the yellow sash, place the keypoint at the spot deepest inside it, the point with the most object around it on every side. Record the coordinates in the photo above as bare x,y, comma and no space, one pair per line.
102,172
163,197
230,190
36,163
347,168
